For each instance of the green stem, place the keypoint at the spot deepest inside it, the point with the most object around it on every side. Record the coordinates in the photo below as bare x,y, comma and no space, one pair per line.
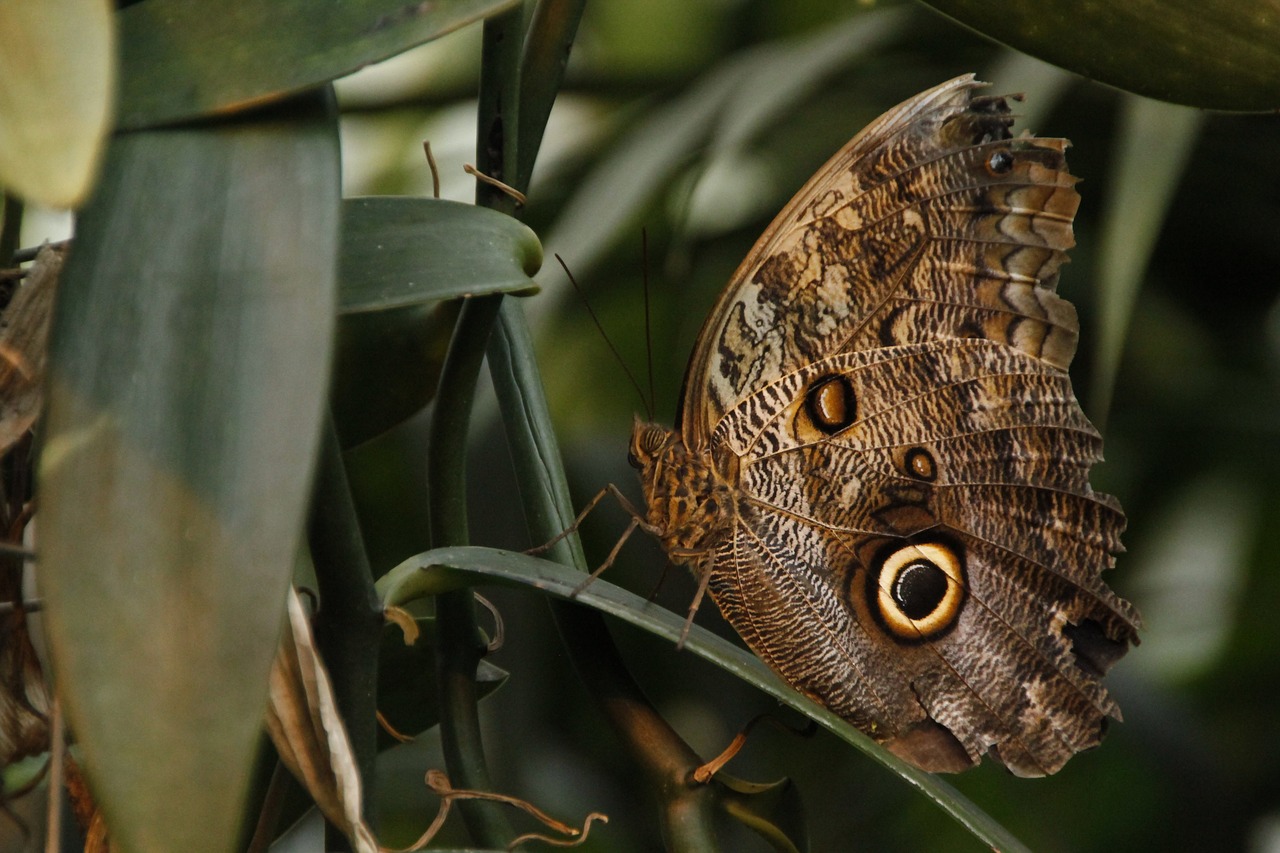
10,229
498,108
668,762
458,643
349,623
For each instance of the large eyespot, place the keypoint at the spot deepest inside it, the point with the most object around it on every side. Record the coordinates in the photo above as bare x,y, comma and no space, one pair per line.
831,404
916,590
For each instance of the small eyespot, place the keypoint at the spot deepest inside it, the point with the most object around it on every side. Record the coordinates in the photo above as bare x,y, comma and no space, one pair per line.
917,590
1000,162
831,404
919,464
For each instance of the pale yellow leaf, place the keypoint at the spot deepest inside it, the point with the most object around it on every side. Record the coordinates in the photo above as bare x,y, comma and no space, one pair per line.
57,87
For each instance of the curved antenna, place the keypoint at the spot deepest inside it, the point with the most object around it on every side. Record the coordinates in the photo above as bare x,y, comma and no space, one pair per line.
599,328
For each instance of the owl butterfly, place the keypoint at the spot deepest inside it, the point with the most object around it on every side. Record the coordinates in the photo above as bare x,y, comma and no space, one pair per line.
881,470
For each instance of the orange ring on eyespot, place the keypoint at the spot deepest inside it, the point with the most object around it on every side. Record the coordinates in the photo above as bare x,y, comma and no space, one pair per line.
918,590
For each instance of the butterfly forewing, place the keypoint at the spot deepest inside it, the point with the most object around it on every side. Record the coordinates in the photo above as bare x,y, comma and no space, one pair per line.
904,527
907,234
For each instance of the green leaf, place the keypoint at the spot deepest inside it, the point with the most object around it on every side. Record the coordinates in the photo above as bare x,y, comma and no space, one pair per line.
399,251
386,367
189,360
427,573
180,60
400,258
57,79
1217,54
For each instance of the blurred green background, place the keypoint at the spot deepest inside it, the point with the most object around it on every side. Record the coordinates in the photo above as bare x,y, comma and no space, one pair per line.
695,122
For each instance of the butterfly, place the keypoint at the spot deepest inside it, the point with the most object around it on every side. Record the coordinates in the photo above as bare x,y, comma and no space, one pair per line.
881,472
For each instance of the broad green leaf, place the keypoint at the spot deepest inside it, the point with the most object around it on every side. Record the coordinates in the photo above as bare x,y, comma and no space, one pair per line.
399,251
189,361
401,257
1216,54
57,82
433,571
180,60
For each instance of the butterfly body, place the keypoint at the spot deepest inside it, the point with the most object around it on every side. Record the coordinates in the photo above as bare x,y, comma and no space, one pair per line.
881,469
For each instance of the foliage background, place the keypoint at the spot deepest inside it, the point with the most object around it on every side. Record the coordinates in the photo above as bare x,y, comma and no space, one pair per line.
646,135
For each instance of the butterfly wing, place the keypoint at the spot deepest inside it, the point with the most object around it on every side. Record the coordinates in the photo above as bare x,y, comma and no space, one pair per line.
930,223
917,545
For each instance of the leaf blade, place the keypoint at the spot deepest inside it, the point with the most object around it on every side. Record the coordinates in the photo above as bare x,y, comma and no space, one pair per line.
57,81
399,251
187,374
1218,54
179,62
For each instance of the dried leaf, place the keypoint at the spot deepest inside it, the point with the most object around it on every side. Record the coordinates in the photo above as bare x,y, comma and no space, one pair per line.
303,720
24,345
405,620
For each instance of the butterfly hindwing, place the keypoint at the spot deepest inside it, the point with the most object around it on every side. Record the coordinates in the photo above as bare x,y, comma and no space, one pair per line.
970,446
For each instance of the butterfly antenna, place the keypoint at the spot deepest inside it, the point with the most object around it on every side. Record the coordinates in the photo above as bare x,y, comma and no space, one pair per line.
600,328
648,334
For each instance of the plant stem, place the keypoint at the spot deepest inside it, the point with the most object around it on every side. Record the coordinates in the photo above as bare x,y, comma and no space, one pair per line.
10,229
668,762
349,623
458,643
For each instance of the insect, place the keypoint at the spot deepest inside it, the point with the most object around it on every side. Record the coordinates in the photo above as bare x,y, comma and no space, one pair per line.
880,470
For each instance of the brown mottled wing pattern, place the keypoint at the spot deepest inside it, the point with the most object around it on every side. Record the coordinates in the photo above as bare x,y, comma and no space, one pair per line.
907,234
889,370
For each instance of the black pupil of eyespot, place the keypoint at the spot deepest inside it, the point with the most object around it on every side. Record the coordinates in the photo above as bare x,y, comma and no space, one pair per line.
1001,161
919,588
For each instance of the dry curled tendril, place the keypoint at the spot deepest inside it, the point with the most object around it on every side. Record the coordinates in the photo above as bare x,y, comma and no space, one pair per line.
438,782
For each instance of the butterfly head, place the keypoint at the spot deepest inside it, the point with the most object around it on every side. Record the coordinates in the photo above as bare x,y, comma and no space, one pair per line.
649,442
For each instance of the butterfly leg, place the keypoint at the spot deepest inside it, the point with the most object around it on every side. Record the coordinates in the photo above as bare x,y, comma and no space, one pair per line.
703,579
610,489
608,561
